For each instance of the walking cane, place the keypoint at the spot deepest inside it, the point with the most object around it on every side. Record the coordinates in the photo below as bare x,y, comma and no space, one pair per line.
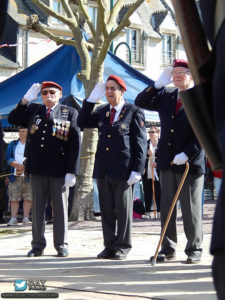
153,192
153,258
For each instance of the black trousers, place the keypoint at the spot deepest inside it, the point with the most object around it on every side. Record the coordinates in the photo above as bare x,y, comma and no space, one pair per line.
148,193
44,188
116,204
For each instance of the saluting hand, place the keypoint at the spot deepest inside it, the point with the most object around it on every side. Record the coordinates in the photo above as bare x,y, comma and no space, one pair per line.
164,79
97,93
33,92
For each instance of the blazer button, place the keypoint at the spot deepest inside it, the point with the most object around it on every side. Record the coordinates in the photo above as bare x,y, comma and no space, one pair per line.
107,149
172,130
46,125
172,116
44,131
169,144
109,136
42,145
42,138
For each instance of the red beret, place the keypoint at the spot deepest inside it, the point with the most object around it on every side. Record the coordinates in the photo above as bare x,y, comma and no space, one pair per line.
118,80
46,84
180,63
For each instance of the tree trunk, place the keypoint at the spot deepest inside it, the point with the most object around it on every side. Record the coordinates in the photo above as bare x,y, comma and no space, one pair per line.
82,208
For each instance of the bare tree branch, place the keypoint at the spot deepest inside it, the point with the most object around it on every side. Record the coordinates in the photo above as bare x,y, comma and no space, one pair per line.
102,18
33,23
89,22
114,13
125,21
54,14
67,9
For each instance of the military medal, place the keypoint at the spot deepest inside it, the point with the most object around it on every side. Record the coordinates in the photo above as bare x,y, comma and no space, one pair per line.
33,128
58,130
62,130
66,130
54,127
107,114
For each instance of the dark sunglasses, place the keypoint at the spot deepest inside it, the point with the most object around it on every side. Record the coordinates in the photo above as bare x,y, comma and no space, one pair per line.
51,92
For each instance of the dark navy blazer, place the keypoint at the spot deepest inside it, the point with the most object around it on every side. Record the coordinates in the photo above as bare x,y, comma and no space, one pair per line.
47,154
176,133
122,146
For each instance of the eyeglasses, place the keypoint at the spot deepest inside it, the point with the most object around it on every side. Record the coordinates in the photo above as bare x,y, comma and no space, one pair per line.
51,92
180,73
152,132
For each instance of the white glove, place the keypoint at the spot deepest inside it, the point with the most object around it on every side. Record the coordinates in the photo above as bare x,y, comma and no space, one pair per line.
180,159
70,180
33,92
164,79
97,93
134,178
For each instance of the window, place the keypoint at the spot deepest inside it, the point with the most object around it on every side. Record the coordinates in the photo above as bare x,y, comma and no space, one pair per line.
133,40
57,7
168,49
93,15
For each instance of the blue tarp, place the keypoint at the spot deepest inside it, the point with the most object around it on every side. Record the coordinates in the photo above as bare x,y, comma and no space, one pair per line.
62,66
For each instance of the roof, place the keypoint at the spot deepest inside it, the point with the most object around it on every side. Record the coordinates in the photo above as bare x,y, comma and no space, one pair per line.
20,9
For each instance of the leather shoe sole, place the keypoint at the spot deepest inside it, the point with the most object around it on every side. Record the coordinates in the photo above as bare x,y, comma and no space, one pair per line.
63,252
35,252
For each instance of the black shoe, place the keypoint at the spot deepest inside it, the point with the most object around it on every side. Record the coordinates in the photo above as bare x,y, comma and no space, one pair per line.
120,255
194,258
107,253
35,252
62,252
164,255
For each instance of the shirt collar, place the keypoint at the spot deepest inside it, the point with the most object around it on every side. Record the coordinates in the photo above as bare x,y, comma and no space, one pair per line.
118,106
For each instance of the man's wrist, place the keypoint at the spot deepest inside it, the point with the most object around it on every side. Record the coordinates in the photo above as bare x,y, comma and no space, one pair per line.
24,101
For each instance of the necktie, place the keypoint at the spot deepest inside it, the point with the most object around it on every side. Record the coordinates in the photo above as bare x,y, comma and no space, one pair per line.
178,106
48,112
112,115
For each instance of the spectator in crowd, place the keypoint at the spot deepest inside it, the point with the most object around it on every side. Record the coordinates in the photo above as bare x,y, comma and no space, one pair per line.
150,179
19,186
52,157
217,180
177,145
119,161
4,168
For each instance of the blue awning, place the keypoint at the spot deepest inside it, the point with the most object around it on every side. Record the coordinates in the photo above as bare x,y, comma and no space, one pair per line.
62,66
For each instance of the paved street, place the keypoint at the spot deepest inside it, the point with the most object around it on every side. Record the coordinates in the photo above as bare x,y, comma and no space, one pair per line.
82,276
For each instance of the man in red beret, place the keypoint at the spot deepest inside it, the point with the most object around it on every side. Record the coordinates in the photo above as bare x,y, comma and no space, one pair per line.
177,145
52,159
119,161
